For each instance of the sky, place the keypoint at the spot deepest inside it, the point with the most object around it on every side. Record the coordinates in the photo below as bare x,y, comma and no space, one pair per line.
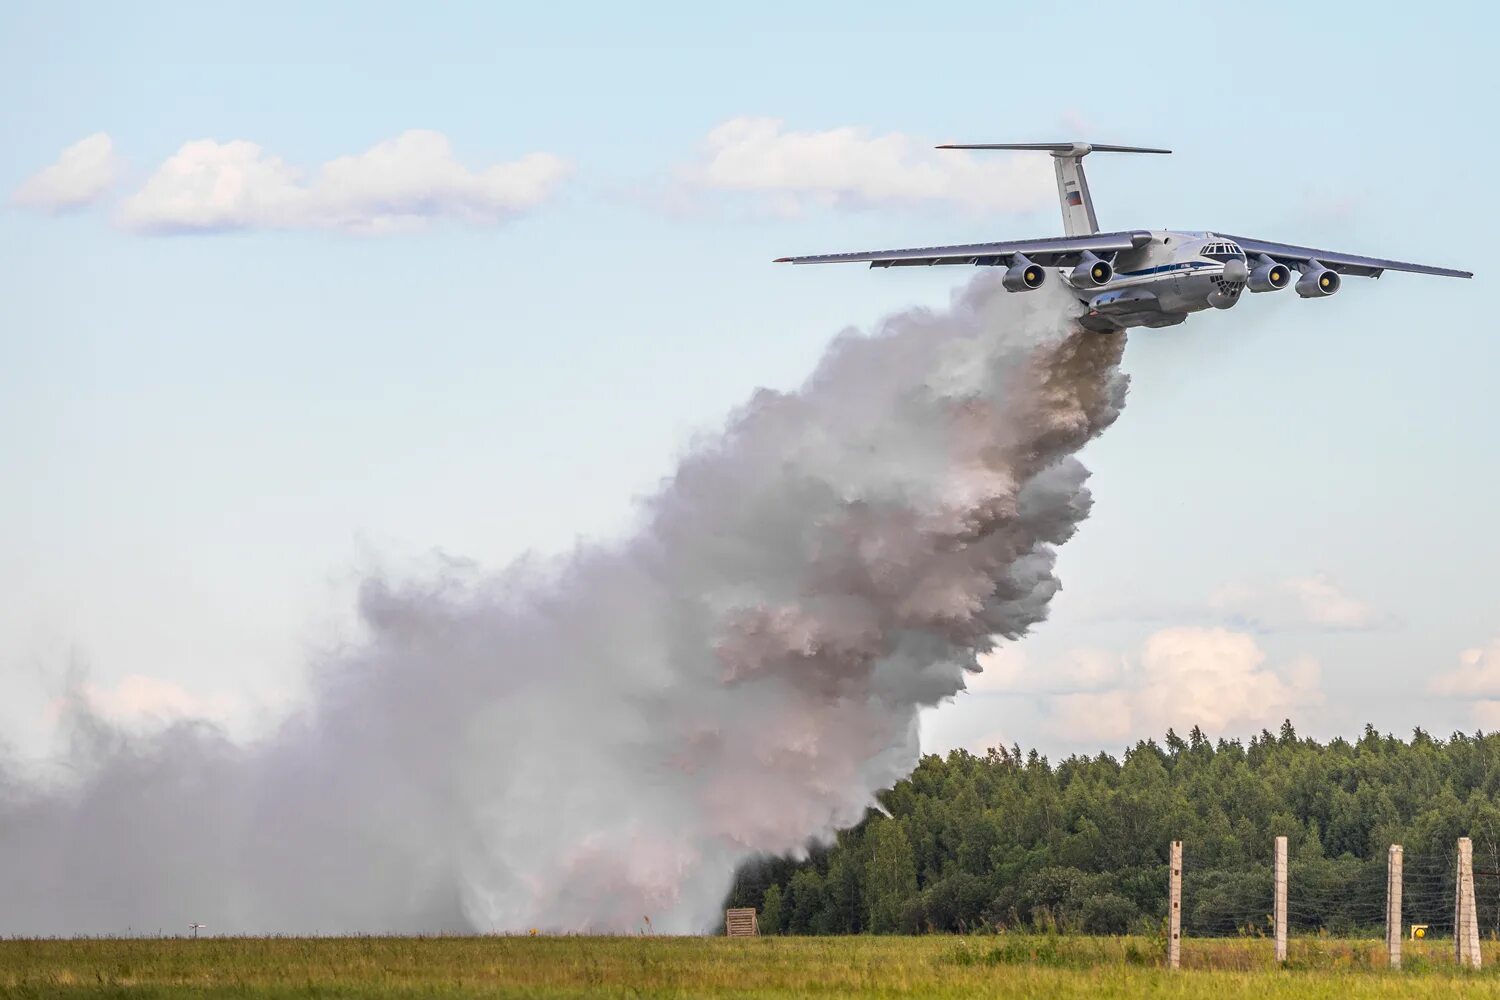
292,295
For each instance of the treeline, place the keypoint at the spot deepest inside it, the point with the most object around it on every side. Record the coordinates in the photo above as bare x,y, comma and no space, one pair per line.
1011,840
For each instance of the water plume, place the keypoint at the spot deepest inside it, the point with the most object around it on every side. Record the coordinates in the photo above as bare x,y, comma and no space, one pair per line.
582,743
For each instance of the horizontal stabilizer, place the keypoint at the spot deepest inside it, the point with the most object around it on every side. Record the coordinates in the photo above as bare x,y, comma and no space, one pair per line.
1065,148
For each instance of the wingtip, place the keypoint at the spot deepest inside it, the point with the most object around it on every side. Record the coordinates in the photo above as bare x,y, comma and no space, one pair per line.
782,260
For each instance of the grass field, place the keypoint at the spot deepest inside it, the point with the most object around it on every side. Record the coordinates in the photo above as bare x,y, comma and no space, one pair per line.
935,966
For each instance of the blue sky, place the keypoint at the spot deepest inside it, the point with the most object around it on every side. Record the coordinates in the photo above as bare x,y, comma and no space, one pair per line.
208,436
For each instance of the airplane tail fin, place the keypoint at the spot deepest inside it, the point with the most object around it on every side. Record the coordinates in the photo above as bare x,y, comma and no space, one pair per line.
1072,186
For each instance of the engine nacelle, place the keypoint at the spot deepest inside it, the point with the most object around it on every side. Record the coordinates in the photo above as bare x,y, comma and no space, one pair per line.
1269,276
1317,281
1023,275
1090,272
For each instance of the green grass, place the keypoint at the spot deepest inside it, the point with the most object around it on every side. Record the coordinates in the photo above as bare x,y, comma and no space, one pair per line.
934,966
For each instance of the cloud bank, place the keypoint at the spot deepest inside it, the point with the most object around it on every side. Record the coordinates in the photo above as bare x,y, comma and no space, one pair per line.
791,171
1311,602
82,174
1182,676
400,184
1477,678
1308,603
138,700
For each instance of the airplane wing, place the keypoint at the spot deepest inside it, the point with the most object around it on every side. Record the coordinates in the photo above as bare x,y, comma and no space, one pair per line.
1049,252
1343,263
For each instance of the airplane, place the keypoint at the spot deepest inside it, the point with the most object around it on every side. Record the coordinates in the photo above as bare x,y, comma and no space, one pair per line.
1151,278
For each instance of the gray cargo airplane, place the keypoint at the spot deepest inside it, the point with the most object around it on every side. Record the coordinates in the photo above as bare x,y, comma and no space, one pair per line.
1141,277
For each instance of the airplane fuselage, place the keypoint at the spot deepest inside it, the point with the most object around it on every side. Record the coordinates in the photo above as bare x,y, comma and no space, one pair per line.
1161,283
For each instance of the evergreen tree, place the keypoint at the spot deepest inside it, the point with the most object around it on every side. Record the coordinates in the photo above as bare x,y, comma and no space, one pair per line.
1009,838
770,911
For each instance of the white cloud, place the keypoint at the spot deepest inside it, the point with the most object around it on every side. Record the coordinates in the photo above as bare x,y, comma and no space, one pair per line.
1095,716
1302,602
1324,604
1476,676
848,167
1007,669
1001,669
400,184
1186,676
137,699
1089,668
1179,677
1487,715
83,172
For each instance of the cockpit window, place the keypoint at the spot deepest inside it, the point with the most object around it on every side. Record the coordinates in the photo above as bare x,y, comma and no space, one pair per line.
1222,251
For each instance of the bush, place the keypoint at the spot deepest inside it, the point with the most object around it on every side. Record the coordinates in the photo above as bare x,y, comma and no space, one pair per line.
955,903
1109,913
913,916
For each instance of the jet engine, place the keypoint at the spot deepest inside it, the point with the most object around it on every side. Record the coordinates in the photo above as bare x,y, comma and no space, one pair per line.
1090,271
1317,281
1023,275
1269,276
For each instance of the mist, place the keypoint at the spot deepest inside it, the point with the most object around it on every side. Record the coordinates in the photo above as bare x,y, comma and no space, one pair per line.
586,742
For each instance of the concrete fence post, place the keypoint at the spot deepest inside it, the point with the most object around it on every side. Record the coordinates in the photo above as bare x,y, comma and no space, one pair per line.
1465,918
1174,913
1393,907
1280,906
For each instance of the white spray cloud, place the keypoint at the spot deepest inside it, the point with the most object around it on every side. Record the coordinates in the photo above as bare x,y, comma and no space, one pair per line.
399,184
792,170
579,746
83,172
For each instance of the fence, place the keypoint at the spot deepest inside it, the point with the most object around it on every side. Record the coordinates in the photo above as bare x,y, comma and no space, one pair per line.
1441,895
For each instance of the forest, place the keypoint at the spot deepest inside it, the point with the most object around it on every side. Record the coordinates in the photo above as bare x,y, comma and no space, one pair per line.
1010,840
